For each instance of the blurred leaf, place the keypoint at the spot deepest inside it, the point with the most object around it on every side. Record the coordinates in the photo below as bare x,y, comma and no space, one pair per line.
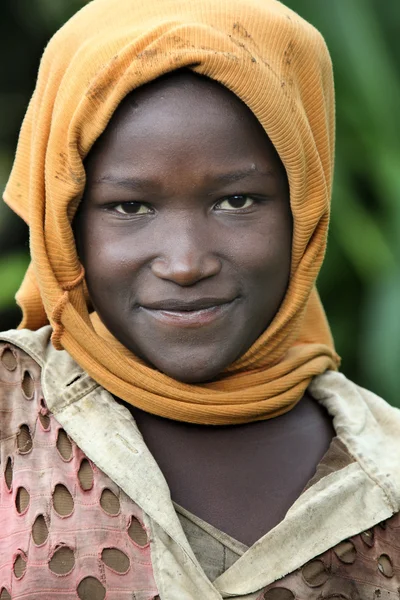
362,240
380,340
12,270
360,281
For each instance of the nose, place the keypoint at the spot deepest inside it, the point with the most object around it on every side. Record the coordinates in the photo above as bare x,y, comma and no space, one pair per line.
186,257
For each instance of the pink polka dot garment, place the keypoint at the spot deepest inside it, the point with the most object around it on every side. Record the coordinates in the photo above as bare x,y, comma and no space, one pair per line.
66,530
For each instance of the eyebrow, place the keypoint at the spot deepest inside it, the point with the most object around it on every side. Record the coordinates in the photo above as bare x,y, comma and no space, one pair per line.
140,184
242,174
125,182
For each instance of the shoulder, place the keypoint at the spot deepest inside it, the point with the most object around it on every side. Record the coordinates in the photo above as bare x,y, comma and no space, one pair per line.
367,425
21,402
33,343
21,360
56,504
355,408
29,355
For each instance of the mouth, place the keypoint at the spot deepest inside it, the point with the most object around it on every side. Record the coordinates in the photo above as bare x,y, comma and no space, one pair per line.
188,314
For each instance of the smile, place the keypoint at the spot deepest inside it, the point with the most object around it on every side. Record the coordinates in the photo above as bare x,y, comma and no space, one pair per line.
184,316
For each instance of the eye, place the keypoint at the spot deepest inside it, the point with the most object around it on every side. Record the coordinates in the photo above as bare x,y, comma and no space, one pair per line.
235,203
132,208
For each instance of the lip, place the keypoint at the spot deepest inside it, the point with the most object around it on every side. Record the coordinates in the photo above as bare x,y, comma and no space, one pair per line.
173,304
189,314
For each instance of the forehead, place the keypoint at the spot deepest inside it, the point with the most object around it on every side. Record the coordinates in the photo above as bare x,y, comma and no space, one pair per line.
181,86
181,116
181,99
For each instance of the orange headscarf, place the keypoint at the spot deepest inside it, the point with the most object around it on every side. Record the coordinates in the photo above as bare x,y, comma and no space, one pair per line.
279,66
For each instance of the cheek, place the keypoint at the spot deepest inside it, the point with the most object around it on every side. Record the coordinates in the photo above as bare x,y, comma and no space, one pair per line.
109,258
116,258
266,264
265,251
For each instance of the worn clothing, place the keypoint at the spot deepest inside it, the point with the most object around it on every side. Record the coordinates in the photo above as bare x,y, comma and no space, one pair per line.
85,510
274,61
215,550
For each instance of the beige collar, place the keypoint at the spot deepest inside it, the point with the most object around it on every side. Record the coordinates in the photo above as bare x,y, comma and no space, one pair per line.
338,506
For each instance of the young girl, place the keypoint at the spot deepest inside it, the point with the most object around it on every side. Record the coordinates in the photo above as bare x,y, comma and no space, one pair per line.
172,421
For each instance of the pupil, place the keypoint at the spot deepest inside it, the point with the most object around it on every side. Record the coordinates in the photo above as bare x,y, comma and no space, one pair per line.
131,207
237,201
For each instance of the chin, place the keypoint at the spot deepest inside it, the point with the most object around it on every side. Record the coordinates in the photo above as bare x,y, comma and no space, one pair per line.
189,362
191,377
193,371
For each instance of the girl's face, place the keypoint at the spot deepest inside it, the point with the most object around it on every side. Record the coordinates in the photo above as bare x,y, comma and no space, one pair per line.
185,227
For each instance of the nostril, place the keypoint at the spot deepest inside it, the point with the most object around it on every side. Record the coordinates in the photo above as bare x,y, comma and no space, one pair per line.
188,270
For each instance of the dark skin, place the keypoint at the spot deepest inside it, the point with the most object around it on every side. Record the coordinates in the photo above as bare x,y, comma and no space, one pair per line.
186,206
185,233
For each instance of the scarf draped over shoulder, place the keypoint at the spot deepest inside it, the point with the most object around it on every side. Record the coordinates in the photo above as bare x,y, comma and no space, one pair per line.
279,66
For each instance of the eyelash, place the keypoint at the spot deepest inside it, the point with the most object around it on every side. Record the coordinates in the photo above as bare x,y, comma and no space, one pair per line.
255,200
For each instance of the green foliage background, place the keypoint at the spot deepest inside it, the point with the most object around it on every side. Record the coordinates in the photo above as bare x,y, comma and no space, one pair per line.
360,281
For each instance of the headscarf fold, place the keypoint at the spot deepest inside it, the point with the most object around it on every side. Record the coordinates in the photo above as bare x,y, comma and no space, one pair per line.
279,66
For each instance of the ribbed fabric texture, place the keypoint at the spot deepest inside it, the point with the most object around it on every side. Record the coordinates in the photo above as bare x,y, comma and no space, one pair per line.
279,66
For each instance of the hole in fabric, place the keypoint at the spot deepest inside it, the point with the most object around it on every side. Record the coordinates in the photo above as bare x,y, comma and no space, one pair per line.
62,561
336,596
8,474
368,537
9,360
279,594
90,588
28,385
40,531
115,559
137,533
22,500
109,502
385,565
85,475
346,552
24,440
19,566
4,594
62,501
45,421
64,445
315,573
